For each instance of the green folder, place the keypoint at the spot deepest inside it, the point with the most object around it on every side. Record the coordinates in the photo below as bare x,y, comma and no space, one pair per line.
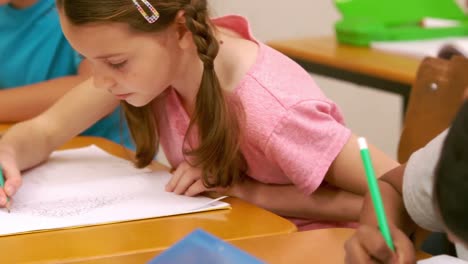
365,21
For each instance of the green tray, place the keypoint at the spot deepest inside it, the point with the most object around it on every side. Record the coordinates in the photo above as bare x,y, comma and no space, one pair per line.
364,21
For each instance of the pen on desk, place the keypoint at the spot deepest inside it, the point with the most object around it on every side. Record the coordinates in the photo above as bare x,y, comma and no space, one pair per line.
2,184
375,193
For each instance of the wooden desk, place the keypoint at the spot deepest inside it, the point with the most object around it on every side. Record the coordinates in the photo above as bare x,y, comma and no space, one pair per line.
318,246
242,221
3,128
360,65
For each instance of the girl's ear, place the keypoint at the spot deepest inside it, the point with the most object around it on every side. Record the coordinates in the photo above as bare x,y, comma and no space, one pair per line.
183,33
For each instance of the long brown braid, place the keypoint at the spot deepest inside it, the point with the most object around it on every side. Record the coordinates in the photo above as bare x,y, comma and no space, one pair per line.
217,116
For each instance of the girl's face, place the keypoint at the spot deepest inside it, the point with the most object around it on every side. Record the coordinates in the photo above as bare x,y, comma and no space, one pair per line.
135,67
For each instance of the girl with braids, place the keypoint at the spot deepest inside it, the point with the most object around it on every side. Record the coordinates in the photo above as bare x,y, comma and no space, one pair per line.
232,115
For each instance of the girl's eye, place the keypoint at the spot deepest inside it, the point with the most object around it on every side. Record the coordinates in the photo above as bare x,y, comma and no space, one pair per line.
117,65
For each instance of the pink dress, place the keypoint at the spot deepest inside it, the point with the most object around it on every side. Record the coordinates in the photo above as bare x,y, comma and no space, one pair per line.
292,132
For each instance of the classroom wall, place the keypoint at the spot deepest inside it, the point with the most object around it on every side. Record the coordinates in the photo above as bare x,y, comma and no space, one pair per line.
370,113
273,19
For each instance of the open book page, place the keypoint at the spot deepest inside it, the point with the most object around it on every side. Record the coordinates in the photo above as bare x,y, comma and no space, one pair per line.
442,259
89,186
423,48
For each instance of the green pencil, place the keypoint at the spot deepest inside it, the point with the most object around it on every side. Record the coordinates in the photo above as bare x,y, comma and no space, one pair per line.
375,193
2,184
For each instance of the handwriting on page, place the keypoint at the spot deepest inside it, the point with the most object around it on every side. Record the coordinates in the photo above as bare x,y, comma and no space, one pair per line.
88,186
67,207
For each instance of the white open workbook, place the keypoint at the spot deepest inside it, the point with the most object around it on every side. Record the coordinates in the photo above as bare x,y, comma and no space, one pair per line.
88,186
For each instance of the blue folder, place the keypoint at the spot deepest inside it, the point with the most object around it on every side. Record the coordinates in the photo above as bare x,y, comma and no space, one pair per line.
200,247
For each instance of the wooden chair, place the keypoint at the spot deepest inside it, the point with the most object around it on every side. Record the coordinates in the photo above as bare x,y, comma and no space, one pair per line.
435,98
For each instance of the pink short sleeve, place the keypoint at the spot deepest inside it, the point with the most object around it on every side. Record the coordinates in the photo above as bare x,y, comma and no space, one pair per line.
306,141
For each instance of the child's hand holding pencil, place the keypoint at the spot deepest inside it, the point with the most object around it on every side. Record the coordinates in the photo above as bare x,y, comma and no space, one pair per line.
381,243
367,245
375,193
2,185
10,180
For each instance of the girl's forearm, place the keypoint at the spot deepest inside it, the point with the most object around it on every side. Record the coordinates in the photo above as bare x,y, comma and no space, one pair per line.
22,103
327,204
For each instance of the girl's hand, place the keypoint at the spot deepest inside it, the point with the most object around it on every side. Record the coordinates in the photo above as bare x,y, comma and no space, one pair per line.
12,177
186,180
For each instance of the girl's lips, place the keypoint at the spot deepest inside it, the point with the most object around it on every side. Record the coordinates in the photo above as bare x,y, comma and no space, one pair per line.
123,96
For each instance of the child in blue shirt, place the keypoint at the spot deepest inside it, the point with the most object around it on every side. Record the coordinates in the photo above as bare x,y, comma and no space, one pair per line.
38,62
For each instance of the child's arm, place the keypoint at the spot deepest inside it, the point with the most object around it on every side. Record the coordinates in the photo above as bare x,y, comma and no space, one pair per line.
368,243
326,204
25,102
347,171
76,111
29,143
406,191
332,204
390,186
